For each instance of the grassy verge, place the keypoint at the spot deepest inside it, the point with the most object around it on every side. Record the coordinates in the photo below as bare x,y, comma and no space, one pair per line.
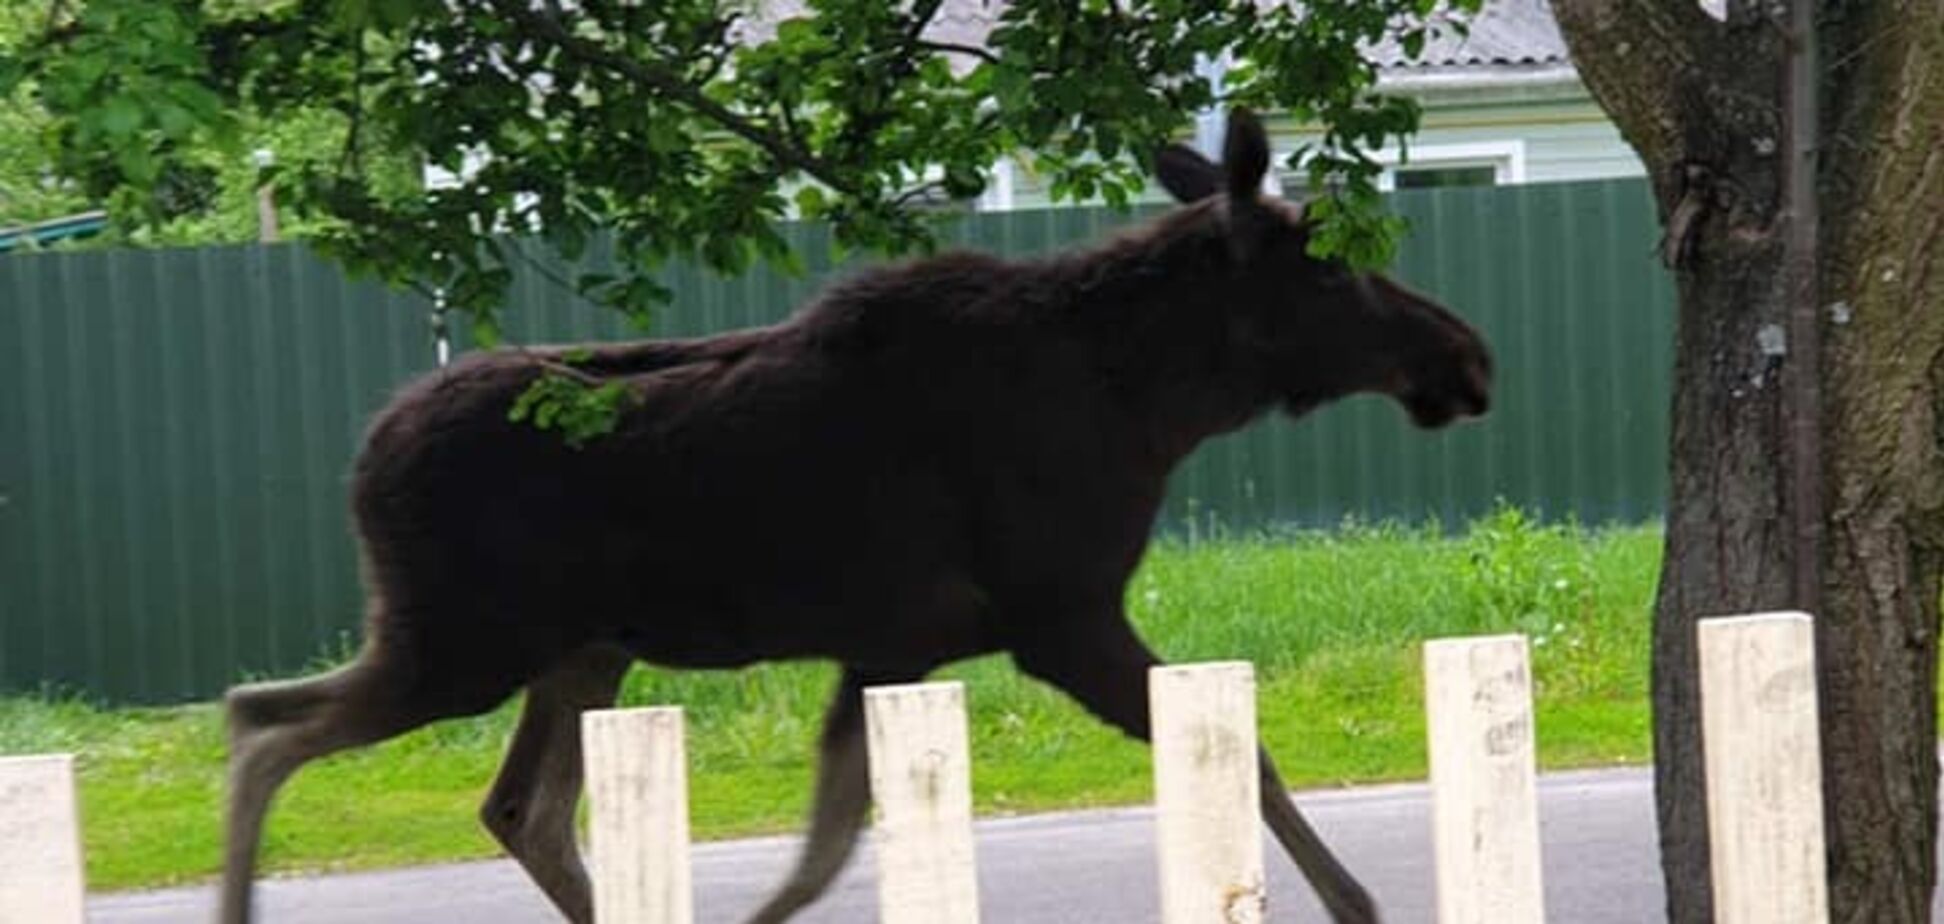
1332,621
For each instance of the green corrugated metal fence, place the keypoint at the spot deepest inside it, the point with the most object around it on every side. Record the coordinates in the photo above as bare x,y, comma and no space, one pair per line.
174,433
176,426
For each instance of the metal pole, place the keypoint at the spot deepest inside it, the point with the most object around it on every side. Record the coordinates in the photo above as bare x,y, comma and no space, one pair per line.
266,198
441,337
1803,373
1211,122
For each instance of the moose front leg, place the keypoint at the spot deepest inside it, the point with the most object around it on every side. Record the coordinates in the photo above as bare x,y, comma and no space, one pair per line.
530,810
1104,666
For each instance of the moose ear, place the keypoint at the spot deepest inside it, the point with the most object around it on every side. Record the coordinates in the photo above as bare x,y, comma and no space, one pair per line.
1245,155
1186,175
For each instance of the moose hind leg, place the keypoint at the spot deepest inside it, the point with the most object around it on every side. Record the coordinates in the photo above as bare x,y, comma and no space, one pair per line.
1339,891
275,728
530,809
1106,670
843,797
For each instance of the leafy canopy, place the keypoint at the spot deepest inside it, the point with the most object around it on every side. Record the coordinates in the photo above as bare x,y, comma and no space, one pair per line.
685,128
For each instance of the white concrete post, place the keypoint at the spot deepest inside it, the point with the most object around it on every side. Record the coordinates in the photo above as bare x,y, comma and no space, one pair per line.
1764,765
921,780
1484,798
41,877
1207,793
638,830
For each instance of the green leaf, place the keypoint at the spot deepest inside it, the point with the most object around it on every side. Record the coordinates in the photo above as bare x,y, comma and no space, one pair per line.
810,202
1413,43
119,115
579,411
485,331
797,33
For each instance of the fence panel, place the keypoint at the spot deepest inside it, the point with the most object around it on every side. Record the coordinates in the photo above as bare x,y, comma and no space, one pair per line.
176,426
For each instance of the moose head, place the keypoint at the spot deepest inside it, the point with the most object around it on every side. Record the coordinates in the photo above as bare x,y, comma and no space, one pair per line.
1313,329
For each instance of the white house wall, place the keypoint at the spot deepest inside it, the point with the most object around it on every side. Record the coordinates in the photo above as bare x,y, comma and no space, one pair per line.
1561,141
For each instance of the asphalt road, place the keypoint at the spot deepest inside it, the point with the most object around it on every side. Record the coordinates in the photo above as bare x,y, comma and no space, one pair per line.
1068,868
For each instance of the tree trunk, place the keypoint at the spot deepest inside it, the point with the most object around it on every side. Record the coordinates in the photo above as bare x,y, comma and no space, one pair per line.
1727,545
1700,101
1883,365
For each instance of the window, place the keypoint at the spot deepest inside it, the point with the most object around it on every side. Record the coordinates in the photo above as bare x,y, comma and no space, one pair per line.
1492,163
1430,177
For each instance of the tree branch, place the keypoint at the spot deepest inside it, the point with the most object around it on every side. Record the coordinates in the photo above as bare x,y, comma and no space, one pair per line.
921,17
791,129
557,367
666,81
351,159
1699,100
952,49
868,123
922,189
1643,59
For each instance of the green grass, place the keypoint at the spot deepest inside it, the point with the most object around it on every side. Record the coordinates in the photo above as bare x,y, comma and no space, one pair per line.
1332,621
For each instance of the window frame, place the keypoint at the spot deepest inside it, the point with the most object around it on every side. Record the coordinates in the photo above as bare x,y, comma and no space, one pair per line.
1506,158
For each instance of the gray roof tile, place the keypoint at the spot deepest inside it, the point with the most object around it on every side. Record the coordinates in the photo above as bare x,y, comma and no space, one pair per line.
1506,33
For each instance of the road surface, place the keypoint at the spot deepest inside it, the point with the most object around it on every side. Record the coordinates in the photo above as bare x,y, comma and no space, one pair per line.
1067,868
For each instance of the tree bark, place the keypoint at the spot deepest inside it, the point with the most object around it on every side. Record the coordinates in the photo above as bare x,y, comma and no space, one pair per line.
1883,365
1727,544
1700,101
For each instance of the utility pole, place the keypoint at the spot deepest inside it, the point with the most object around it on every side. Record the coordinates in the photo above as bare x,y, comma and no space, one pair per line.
1801,86
1210,122
266,198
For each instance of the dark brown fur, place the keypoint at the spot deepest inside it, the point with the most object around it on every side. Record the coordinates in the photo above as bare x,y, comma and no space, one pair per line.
955,456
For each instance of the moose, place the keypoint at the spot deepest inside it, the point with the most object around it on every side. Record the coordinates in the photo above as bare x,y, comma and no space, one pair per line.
950,457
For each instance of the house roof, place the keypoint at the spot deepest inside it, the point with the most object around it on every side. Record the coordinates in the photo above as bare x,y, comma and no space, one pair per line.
1515,34
960,22
1506,35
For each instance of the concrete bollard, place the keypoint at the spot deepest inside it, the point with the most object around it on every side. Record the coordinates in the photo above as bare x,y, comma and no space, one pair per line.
1484,795
638,832
1764,766
41,876
1207,793
921,781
